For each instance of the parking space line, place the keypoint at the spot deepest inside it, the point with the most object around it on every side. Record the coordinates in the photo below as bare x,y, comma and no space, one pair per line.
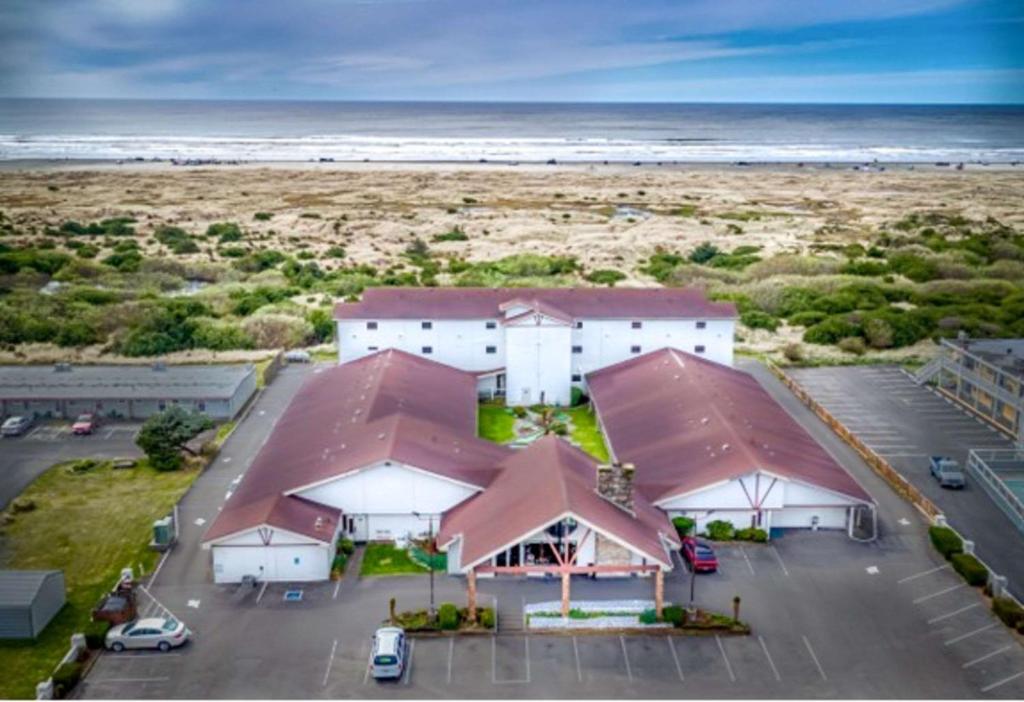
728,665
494,661
778,557
969,634
369,662
263,588
775,671
330,662
625,656
943,591
999,683
337,586
675,657
97,681
749,564
955,612
915,576
408,669
814,657
451,654
991,654
576,653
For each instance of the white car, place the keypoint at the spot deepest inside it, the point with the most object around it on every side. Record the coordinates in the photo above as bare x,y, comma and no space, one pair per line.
298,356
162,633
15,426
389,649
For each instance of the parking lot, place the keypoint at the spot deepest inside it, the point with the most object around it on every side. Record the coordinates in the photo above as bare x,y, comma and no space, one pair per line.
906,423
24,458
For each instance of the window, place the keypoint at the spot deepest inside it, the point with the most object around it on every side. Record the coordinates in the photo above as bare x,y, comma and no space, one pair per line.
702,325
202,406
577,349
634,349
637,325
699,348
371,325
579,325
426,325
371,348
492,325
492,349
427,350
161,405
576,377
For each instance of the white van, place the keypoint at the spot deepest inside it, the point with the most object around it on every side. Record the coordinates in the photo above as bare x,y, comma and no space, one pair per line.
389,650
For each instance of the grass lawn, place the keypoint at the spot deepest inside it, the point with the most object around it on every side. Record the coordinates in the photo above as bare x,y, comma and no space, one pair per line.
385,559
586,432
495,423
89,525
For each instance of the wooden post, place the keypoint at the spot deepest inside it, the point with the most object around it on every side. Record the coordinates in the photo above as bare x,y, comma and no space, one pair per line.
565,593
471,596
659,593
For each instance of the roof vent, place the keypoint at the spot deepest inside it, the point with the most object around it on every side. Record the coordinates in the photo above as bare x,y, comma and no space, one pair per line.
704,420
62,368
319,524
725,447
381,436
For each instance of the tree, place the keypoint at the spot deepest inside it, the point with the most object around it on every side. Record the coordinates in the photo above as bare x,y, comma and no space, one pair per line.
164,435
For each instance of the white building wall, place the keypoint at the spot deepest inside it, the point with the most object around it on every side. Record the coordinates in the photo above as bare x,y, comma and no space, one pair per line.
459,343
285,557
537,366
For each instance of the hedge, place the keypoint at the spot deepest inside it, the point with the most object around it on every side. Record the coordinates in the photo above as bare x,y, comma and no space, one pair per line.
448,616
719,530
346,546
752,534
1008,611
683,525
96,634
674,615
970,568
486,617
945,541
66,676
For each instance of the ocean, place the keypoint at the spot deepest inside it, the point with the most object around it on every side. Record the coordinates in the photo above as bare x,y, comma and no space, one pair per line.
516,132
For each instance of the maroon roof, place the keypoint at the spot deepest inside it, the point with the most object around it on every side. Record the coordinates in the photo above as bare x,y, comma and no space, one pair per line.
390,405
485,303
687,423
536,487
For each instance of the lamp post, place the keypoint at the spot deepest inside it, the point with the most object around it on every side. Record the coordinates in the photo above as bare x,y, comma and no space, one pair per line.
430,558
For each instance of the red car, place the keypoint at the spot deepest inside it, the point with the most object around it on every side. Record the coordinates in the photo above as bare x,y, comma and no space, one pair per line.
699,555
85,424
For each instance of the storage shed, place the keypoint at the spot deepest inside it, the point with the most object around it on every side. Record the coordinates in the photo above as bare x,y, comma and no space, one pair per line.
29,599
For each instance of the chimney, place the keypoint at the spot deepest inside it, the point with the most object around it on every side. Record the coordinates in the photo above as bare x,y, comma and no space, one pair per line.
615,482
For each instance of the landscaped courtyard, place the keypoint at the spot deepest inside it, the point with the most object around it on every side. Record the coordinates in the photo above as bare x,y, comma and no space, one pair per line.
523,425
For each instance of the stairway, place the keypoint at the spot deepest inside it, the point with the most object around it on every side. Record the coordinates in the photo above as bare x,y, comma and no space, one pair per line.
510,616
928,371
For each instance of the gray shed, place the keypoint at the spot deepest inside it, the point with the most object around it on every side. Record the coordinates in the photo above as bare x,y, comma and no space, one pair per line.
29,599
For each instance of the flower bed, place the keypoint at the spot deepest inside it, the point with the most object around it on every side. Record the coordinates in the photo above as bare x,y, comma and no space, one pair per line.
626,614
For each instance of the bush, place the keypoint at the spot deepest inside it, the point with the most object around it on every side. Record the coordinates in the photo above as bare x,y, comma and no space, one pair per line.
808,318
448,616
852,344
346,546
661,264
335,252
674,615
945,541
66,676
263,216
683,525
793,352
704,253
605,276
719,530
486,617
96,635
830,331
575,396
970,568
755,319
519,411
338,564
648,616
754,534
1009,612
456,234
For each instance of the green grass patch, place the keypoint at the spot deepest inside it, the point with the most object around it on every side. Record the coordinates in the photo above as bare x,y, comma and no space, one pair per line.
586,433
224,431
385,559
495,423
90,525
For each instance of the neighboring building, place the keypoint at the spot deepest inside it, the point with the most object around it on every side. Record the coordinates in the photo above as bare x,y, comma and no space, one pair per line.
710,443
985,375
127,392
29,599
533,345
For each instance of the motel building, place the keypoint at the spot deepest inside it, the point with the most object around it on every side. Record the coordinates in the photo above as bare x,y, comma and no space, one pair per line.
384,445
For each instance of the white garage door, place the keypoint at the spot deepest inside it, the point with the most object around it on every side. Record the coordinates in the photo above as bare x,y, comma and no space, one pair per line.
802,517
270,563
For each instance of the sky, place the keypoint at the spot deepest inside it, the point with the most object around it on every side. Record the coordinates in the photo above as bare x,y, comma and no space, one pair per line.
864,51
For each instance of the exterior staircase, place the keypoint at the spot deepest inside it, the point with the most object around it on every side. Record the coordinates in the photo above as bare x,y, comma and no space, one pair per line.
928,371
510,616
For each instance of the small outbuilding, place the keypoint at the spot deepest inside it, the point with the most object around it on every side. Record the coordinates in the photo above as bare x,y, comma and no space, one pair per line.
29,599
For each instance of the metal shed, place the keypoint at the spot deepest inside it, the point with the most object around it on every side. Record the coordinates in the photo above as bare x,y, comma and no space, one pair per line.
29,599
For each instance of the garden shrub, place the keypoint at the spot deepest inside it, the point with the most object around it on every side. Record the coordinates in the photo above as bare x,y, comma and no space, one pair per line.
754,534
448,616
1009,612
970,568
945,541
96,635
648,616
486,617
674,615
346,546
684,525
519,411
575,396
719,530
338,564
756,319
176,239
224,232
66,676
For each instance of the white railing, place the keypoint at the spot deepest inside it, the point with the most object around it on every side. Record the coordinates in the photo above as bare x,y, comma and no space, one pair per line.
991,483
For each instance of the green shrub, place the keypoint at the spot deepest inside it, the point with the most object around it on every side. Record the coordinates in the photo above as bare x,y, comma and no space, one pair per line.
346,546
448,616
719,530
263,216
96,634
674,615
830,331
176,239
1009,612
224,232
970,568
852,344
648,616
339,562
945,541
455,234
704,253
661,264
335,252
917,268
808,318
66,676
684,525
486,617
575,396
866,268
752,534
605,276
519,411
756,319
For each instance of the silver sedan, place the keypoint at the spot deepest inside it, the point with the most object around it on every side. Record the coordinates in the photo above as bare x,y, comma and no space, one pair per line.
163,633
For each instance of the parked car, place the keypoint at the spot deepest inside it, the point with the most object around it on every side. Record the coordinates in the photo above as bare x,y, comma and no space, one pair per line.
699,555
298,356
389,650
85,424
162,633
15,426
947,472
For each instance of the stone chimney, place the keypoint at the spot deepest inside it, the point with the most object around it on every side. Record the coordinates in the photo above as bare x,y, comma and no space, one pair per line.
615,482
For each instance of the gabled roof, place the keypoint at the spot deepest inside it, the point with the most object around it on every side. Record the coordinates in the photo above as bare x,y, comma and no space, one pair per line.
687,423
574,303
387,406
533,306
19,588
537,486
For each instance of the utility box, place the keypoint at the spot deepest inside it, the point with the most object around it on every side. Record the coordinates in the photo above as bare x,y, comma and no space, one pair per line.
163,534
